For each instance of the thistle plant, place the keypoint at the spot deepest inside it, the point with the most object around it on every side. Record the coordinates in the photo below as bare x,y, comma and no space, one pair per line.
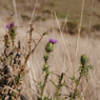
76,92
48,49
84,69
13,69
13,65
11,32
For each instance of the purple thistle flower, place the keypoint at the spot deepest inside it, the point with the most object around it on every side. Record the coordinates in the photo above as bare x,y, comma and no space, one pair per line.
52,41
8,26
11,24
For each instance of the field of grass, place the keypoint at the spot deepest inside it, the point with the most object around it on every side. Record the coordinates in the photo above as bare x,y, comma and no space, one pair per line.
72,9
47,59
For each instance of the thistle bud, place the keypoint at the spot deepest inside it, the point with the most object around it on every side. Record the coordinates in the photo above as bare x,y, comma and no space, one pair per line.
84,59
12,30
49,47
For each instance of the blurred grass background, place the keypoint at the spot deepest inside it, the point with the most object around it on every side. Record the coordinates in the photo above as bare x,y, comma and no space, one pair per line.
63,8
72,9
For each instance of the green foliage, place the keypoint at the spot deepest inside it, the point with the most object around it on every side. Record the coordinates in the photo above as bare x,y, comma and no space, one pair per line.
48,49
76,92
84,69
46,58
59,86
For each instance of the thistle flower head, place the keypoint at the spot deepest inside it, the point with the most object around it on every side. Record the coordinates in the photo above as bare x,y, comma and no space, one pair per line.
50,45
10,25
52,41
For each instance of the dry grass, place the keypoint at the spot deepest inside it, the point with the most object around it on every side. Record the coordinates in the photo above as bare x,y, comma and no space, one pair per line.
62,59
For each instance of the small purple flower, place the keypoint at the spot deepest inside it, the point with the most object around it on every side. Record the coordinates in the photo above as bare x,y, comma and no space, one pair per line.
7,26
52,41
10,25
